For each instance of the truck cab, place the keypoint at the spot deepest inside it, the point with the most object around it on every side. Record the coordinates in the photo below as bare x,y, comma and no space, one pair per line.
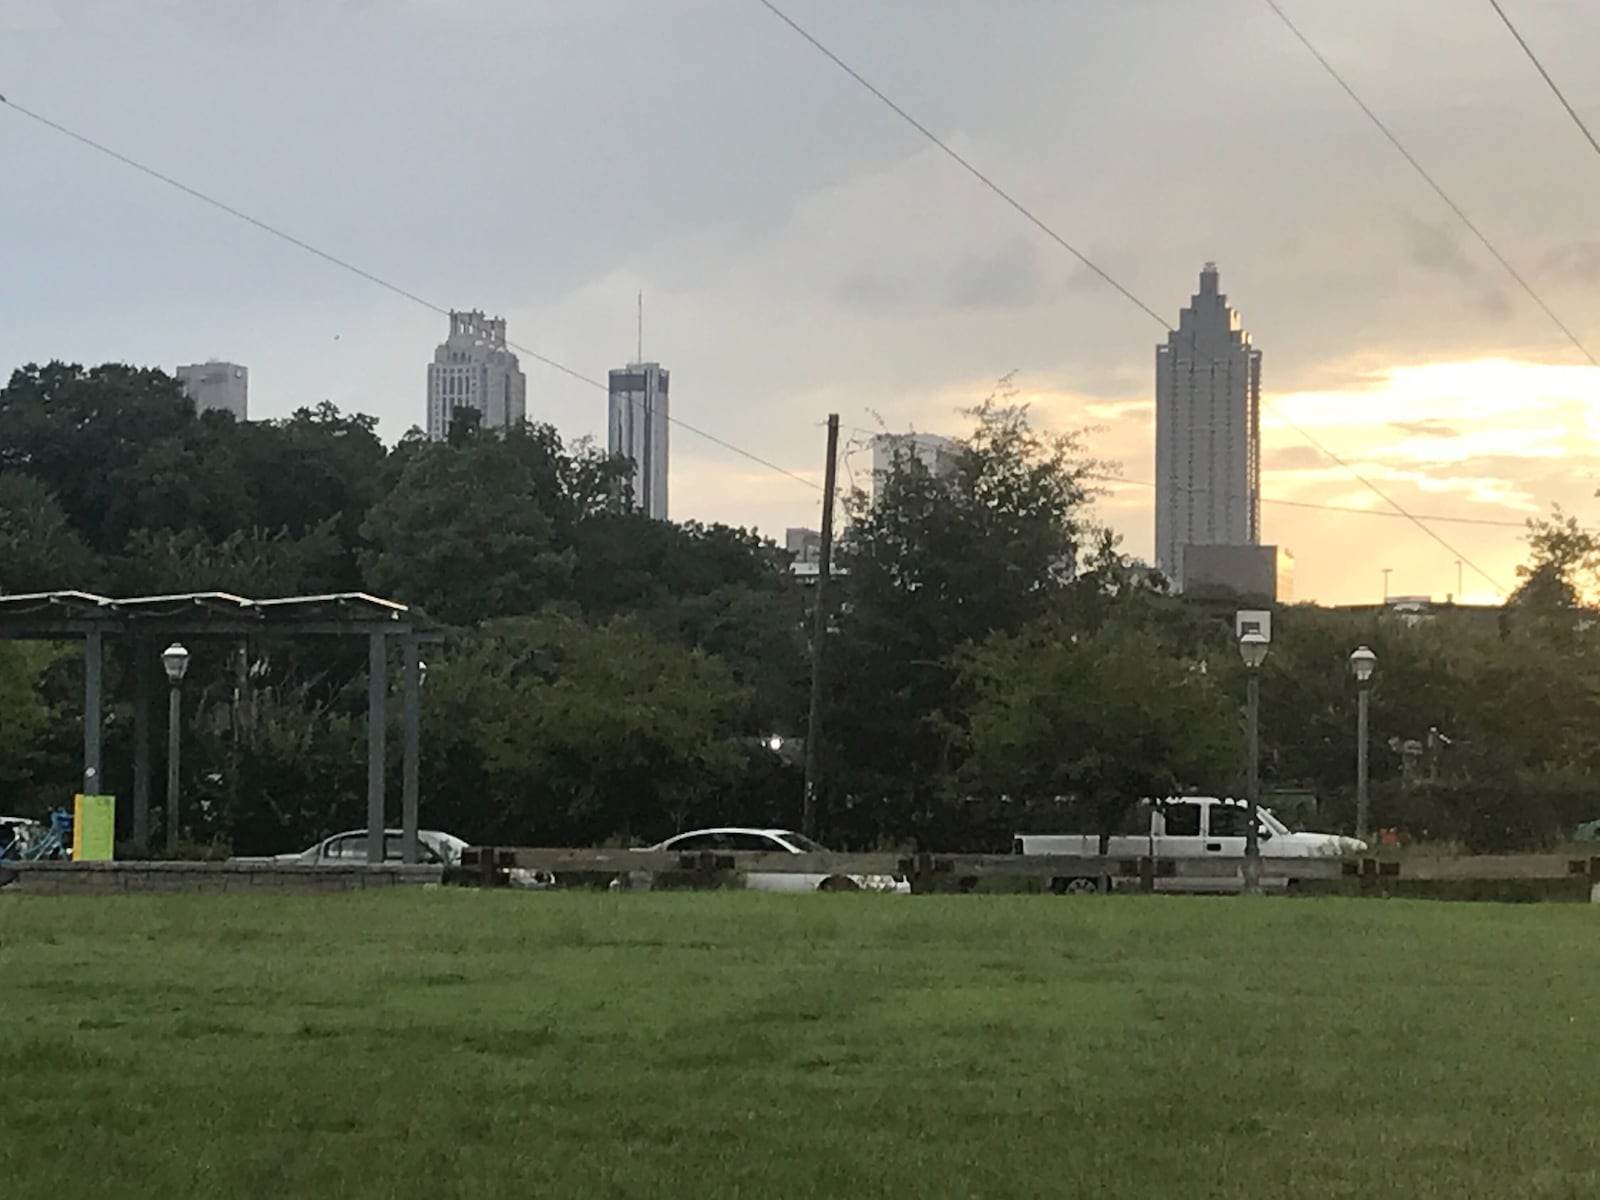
1190,827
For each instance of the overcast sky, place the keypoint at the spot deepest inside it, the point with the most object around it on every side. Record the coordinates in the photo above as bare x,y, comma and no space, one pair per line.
802,251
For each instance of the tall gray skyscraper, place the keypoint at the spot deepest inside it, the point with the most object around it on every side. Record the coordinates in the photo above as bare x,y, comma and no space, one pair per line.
474,369
222,386
638,430
1208,431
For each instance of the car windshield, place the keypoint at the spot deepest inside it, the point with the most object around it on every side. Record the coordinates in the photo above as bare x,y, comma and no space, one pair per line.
801,842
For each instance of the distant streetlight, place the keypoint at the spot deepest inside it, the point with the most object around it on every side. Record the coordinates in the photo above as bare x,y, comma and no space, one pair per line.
1253,648
1362,663
775,743
175,661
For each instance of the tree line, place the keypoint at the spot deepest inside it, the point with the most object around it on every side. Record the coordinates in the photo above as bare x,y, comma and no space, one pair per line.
993,661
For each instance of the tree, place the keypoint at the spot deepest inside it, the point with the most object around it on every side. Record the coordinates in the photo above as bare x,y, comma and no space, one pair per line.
1563,570
934,562
485,528
80,432
1096,720
251,563
39,552
571,733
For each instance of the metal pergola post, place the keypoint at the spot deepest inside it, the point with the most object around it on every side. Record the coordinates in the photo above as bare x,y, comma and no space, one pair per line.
141,748
411,736
93,704
377,693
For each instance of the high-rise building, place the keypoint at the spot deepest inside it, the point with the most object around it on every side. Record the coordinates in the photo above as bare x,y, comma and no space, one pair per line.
638,431
1208,431
473,369
219,386
938,454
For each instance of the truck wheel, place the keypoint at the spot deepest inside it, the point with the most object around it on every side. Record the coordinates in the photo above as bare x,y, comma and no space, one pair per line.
1074,887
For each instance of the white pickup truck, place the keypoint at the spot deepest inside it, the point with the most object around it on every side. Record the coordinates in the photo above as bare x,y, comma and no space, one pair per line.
1190,827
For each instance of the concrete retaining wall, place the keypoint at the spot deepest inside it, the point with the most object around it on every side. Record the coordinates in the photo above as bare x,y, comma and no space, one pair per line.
115,878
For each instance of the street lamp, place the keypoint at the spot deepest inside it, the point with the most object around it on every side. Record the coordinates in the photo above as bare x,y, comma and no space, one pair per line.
1253,649
175,661
1362,663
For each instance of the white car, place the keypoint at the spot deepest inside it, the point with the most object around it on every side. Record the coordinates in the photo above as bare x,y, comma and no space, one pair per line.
434,848
773,841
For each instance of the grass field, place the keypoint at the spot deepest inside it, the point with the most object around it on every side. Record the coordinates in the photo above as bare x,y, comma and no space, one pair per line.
457,1043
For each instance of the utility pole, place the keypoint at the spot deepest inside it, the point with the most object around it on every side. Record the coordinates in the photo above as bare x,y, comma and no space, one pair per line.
808,811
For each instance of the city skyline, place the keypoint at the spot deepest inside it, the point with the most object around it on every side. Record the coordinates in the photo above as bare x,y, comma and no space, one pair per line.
888,287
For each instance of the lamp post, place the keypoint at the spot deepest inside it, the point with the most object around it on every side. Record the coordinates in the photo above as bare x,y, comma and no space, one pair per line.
1362,663
1253,649
175,661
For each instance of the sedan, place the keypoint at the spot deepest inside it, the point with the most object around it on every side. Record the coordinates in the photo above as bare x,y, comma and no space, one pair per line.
775,841
434,848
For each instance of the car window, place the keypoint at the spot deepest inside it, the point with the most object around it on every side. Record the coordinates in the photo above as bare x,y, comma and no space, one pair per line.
350,846
696,841
1228,821
802,843
394,849
758,842
1183,820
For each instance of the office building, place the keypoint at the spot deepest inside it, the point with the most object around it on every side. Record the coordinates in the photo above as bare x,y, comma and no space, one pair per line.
1208,431
217,386
638,428
938,454
804,544
473,369
1257,572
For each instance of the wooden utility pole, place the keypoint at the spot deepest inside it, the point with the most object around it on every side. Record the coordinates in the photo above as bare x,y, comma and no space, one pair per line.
808,812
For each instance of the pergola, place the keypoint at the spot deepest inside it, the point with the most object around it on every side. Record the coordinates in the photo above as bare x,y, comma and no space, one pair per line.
149,622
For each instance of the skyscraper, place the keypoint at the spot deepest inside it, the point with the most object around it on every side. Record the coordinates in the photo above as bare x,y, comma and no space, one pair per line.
638,430
222,386
1208,431
473,368
940,455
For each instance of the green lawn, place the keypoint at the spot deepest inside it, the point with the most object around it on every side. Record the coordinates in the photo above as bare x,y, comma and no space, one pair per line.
457,1043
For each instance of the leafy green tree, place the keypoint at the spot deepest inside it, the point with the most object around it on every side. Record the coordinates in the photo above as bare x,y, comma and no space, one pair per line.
32,719
39,552
484,528
1095,721
934,562
548,728
80,432
250,563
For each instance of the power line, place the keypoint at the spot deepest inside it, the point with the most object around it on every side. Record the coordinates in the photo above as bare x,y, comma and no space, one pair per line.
1488,522
1439,191
966,165
1534,59
352,268
1348,509
1043,226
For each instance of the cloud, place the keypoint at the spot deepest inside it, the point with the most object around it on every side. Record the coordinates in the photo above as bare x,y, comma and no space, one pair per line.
1430,427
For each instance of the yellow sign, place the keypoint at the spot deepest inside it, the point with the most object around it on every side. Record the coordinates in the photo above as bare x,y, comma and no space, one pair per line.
94,828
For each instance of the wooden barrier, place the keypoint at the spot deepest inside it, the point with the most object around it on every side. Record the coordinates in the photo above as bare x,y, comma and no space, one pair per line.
925,871
111,878
960,872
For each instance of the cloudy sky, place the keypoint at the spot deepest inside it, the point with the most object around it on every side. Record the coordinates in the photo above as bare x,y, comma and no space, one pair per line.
802,251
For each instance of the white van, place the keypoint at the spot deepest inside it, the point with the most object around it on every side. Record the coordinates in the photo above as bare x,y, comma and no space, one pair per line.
1189,827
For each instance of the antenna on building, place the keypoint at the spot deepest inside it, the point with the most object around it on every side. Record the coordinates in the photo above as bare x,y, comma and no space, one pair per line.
641,326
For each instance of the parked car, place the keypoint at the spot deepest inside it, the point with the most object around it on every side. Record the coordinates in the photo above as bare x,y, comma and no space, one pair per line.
768,841
1191,827
435,848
